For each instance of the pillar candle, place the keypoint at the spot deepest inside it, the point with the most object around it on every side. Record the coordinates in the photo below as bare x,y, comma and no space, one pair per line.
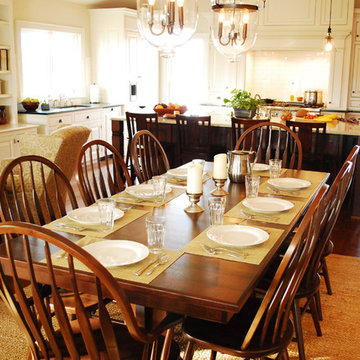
220,166
194,179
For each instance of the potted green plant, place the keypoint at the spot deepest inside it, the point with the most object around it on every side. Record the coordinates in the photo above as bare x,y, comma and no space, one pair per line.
243,104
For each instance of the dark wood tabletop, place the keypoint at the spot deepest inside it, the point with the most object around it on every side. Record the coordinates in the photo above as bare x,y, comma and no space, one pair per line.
194,285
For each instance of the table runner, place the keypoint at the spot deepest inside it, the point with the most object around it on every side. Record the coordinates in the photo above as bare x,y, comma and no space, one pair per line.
283,218
126,272
128,199
255,254
95,230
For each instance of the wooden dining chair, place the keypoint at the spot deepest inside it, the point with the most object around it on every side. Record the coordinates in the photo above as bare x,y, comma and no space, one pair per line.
239,126
147,121
263,326
194,137
87,337
272,141
148,156
34,189
312,136
352,158
101,171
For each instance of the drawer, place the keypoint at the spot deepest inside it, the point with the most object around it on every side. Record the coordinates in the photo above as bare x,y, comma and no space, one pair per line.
86,116
355,103
55,120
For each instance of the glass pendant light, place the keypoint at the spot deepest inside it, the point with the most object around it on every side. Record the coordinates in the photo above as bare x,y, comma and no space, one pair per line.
328,38
167,24
234,26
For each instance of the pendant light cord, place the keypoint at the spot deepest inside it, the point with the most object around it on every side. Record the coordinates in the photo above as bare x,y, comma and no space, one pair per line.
329,29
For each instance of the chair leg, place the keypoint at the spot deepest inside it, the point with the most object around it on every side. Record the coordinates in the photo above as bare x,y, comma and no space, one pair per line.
213,355
298,329
325,273
167,344
285,355
315,316
318,305
189,351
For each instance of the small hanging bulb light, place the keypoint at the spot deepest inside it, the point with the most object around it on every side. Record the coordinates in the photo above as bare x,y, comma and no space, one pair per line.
328,38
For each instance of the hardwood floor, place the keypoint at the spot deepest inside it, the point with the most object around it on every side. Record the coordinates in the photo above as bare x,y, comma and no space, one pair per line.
346,234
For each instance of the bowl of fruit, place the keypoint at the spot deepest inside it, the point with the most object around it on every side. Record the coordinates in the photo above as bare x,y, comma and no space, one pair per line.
30,104
162,109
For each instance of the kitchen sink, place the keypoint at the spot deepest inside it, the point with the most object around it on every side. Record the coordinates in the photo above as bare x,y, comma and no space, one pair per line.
74,106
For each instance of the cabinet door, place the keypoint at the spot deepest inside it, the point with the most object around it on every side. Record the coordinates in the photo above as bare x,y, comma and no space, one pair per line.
94,120
355,90
108,113
6,147
54,121
290,12
357,28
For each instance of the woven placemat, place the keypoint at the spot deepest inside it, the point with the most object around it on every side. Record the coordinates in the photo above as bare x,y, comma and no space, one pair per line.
95,230
254,254
283,218
126,272
266,188
128,199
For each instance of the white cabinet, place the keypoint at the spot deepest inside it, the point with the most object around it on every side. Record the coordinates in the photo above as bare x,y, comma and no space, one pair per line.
8,91
94,120
10,138
108,113
121,58
355,88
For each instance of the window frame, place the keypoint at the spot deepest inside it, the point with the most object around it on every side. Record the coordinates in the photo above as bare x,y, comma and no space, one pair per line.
20,24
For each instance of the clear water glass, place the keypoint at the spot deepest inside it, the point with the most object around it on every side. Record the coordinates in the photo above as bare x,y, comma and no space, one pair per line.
252,183
216,210
159,188
275,168
106,213
155,228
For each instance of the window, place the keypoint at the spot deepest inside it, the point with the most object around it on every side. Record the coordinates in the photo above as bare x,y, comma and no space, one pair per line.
51,61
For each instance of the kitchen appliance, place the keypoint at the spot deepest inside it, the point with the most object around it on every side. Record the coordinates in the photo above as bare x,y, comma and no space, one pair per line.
310,97
239,164
319,97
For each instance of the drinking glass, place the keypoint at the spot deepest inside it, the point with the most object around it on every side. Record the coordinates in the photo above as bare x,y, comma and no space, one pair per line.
199,161
155,227
216,210
275,168
159,188
252,183
106,212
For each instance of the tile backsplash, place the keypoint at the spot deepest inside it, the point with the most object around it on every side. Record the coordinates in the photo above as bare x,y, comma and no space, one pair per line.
279,74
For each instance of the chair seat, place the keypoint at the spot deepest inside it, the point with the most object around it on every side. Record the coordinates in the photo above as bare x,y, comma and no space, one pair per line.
229,337
130,349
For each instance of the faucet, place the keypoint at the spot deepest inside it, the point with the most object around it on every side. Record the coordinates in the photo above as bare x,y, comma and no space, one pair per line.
257,96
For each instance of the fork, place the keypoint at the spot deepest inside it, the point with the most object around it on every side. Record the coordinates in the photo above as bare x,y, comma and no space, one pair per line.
263,216
71,227
277,191
215,250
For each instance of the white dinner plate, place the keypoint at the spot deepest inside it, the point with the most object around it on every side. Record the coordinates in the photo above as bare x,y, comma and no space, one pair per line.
144,190
237,235
260,167
90,215
267,204
117,252
178,172
289,183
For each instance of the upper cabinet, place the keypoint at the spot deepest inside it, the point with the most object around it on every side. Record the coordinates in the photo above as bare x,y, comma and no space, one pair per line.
354,100
8,91
124,65
312,13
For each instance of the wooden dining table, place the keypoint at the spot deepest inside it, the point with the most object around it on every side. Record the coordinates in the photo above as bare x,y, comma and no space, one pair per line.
197,285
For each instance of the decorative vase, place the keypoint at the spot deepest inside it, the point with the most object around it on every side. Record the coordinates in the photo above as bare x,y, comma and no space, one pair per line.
243,113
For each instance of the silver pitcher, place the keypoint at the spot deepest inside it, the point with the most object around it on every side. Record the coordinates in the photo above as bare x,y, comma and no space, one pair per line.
239,162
